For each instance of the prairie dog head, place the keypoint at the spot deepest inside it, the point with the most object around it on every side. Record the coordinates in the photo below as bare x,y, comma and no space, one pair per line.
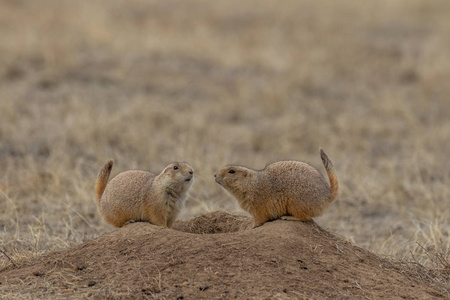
237,180
177,176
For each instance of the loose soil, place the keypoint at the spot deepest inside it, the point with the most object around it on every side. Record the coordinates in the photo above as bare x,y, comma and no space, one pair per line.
215,256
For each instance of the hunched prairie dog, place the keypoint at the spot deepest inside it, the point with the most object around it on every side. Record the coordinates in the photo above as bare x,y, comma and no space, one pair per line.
142,196
283,189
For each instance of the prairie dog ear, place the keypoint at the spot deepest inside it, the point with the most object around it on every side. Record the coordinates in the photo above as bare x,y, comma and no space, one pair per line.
170,167
246,172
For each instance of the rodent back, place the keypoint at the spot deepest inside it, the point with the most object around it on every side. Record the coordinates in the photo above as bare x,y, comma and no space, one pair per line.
129,187
294,178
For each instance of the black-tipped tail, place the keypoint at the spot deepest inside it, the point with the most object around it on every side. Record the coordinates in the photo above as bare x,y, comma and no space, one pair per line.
334,182
102,179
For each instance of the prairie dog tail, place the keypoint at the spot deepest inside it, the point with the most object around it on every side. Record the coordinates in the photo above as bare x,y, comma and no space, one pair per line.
102,179
334,182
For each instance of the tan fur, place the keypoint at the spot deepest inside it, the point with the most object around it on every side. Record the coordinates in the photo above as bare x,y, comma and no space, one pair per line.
142,196
281,189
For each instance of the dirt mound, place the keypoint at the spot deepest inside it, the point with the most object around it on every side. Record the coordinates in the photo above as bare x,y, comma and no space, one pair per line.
214,256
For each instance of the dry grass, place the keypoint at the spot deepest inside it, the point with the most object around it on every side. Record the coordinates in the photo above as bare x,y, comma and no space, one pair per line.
212,83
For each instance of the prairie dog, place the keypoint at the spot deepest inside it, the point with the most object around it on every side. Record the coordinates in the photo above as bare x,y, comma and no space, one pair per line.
283,189
142,196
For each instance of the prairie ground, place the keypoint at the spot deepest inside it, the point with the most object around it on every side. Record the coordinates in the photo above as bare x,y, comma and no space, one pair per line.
218,256
214,83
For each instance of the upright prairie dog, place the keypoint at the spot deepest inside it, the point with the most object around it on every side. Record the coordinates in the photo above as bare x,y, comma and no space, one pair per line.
142,196
283,189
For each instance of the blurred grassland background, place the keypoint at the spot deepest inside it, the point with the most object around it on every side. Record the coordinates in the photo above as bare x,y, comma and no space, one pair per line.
219,82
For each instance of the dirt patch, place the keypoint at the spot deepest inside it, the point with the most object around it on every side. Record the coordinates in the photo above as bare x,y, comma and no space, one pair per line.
217,222
215,256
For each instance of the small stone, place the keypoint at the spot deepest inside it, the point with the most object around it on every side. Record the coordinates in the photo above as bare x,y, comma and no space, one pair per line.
37,273
203,288
91,283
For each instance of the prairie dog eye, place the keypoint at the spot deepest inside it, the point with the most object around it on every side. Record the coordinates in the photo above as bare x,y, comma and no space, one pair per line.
232,171
175,167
